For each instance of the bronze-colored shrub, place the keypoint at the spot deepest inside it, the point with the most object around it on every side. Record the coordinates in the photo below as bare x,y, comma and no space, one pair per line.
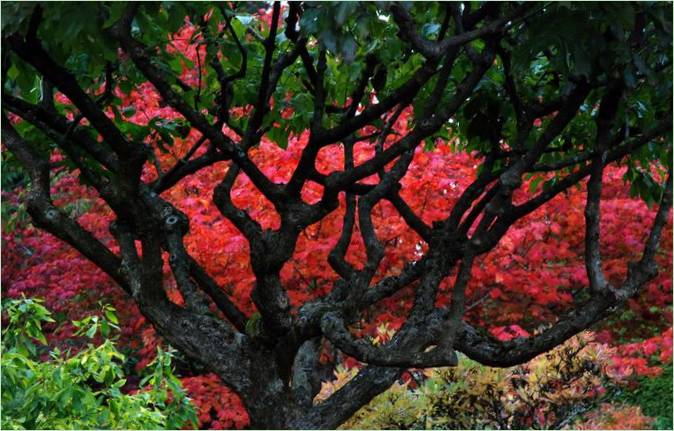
547,392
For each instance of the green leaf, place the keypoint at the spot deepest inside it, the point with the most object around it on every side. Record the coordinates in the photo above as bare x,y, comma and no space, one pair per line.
111,316
279,136
91,332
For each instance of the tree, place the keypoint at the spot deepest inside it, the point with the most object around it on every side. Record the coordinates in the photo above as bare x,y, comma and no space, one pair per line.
549,92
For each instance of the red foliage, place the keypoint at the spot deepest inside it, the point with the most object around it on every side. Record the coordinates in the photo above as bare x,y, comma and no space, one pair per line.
639,358
218,407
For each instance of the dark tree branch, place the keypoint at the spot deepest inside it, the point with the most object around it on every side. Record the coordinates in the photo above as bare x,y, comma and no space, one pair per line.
618,153
333,328
658,224
181,267
425,128
607,113
511,87
402,95
341,405
488,351
262,104
336,258
373,247
138,53
305,382
477,209
458,306
407,213
32,52
49,217
434,50
221,196
294,14
50,122
212,289
306,165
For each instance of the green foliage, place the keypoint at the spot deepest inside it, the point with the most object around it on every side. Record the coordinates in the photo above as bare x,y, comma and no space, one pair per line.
13,174
81,390
13,216
254,325
654,396
590,40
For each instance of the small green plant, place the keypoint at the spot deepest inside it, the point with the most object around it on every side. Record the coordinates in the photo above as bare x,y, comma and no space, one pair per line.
81,390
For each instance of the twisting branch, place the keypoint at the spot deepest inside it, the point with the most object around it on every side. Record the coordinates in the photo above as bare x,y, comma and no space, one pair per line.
212,289
225,81
373,247
181,266
241,219
336,258
458,306
306,166
261,106
121,31
49,217
607,112
393,195
472,192
503,354
51,122
294,14
500,207
434,50
185,166
425,128
333,328
518,211
511,87
31,51
407,213
651,246
305,382
477,209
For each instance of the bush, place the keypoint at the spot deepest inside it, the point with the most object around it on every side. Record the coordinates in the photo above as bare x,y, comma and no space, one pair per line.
82,390
548,392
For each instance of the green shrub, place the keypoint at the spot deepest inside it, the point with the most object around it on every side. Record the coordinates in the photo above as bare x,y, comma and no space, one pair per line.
81,390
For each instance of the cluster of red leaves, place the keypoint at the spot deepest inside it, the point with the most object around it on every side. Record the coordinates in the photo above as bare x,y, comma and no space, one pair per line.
217,405
642,358
528,279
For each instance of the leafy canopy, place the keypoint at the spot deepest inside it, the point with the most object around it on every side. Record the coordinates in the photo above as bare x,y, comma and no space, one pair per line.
588,40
